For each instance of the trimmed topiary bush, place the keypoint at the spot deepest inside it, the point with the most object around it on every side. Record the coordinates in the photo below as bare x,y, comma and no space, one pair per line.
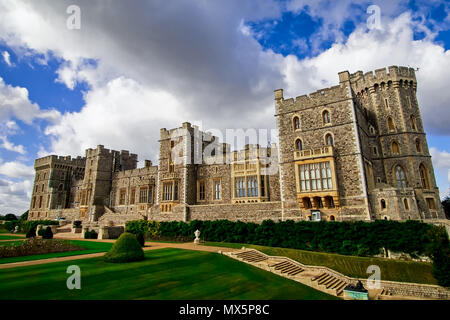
141,239
31,233
48,234
90,234
125,249
41,232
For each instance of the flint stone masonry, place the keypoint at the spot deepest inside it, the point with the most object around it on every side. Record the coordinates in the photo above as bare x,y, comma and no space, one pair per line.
362,140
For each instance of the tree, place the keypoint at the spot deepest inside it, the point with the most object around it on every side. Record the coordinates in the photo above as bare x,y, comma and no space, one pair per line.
24,216
446,205
10,217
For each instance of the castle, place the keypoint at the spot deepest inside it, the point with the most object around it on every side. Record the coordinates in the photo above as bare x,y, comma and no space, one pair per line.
355,151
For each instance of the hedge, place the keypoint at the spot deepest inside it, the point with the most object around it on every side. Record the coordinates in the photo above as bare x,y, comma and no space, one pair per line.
25,225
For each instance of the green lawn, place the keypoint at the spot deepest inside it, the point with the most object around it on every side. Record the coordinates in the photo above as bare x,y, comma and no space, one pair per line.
8,237
10,243
90,247
164,274
353,266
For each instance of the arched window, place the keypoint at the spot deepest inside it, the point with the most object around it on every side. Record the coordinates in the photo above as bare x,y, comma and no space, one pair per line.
296,123
413,123
395,148
400,177
405,202
383,204
329,139
326,117
424,177
418,145
298,145
391,125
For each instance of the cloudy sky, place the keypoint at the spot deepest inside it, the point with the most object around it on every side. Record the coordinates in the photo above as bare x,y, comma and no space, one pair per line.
134,67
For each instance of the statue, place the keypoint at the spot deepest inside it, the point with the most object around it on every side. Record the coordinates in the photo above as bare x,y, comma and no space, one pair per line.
16,229
197,236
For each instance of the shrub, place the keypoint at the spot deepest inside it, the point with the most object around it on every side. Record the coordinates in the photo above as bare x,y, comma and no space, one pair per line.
141,239
11,225
10,217
31,233
37,246
125,249
41,232
90,234
48,234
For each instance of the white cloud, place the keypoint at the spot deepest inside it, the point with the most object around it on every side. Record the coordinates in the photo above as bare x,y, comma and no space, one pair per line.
16,170
11,146
6,58
15,103
441,164
156,70
369,50
15,196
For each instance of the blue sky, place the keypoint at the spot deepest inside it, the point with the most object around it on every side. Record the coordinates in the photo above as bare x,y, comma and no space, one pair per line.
132,69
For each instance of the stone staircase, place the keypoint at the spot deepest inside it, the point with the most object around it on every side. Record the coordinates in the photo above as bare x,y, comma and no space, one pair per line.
331,282
319,278
251,256
287,267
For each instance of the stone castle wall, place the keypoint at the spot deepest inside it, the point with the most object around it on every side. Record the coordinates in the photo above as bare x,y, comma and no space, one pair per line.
106,186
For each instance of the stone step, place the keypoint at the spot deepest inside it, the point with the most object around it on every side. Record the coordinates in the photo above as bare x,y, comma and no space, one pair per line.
324,279
281,265
289,268
318,277
293,273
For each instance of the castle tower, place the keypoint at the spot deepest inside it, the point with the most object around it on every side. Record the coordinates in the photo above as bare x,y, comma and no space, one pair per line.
96,187
399,171
52,184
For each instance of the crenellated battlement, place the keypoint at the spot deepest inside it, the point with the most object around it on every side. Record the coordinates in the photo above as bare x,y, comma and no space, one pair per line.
318,98
392,74
60,160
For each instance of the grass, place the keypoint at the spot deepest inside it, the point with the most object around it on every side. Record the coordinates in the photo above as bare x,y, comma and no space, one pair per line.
353,266
8,237
90,247
10,243
165,274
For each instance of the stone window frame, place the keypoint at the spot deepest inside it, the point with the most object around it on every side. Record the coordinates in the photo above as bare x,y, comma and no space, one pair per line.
424,176
132,199
174,191
413,122
298,139
213,185
391,124
431,203
404,181
418,145
406,204
372,130
383,205
294,124
324,123
332,138
122,196
199,193
393,151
